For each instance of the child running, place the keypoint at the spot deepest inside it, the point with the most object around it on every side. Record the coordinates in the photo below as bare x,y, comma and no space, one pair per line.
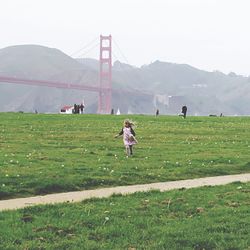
128,136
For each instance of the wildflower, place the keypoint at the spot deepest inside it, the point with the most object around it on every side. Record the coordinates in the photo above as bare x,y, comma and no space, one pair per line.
106,220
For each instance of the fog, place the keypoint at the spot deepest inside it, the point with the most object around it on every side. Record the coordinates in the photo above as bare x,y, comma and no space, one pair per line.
207,34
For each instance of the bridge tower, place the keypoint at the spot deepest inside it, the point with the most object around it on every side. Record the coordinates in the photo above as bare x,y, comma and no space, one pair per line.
105,75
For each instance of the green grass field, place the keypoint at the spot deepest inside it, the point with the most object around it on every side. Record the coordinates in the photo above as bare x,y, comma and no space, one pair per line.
203,218
43,154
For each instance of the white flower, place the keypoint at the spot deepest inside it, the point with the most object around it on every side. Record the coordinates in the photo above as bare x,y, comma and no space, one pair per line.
106,219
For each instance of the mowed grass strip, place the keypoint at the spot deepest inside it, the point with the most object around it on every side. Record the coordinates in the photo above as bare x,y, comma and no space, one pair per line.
41,154
201,218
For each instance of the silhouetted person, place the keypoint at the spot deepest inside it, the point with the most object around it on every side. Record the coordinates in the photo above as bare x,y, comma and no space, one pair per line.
75,109
157,112
112,111
81,108
184,111
78,108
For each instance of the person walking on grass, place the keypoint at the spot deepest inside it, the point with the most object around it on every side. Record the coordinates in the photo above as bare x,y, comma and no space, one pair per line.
157,112
128,136
184,111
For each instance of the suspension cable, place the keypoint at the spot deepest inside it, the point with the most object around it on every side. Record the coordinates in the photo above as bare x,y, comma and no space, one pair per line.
86,46
120,51
89,50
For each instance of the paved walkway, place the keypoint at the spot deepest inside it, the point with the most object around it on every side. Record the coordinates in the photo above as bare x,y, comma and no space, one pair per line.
106,192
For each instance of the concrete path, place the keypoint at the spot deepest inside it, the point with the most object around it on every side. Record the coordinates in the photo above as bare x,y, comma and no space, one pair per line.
106,192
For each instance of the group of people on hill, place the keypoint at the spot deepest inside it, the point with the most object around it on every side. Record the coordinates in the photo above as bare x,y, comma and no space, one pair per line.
78,109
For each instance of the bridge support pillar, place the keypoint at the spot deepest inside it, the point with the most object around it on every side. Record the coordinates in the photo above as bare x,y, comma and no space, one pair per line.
105,75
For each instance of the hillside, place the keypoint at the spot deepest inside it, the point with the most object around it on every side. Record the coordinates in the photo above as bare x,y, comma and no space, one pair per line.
162,85
38,62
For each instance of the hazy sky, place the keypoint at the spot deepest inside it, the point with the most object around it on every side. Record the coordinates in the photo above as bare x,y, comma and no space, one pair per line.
207,34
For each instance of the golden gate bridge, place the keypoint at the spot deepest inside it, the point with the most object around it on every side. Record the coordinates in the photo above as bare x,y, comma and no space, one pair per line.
105,79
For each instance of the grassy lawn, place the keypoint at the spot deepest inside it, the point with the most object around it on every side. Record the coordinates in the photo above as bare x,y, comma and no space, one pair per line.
42,154
201,218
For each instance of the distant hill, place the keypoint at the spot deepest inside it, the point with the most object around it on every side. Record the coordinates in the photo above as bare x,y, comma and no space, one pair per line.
39,62
163,85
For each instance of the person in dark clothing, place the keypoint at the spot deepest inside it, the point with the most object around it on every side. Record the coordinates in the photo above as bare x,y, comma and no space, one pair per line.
184,111
157,112
81,108
75,107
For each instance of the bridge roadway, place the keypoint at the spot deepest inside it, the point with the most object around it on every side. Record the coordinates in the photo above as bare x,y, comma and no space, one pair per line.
65,85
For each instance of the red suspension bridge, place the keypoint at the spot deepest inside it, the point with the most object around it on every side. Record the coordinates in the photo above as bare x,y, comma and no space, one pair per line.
105,79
